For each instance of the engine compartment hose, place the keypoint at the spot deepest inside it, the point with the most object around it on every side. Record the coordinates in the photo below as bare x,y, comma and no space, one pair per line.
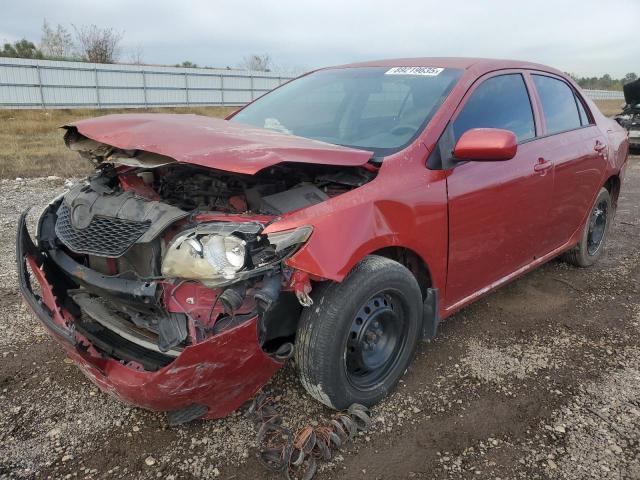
269,292
233,297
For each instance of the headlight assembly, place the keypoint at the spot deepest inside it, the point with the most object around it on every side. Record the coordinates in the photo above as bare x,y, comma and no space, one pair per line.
219,253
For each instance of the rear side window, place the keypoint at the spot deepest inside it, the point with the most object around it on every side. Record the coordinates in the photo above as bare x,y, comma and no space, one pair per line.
499,102
558,104
584,118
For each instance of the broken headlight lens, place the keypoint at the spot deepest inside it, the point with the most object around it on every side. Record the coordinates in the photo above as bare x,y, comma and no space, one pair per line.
219,253
283,241
204,257
225,254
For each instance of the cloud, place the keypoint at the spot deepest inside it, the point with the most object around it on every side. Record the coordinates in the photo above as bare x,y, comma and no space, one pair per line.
581,36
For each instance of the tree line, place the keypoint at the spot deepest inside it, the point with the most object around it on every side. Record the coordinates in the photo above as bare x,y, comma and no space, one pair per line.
605,82
87,43
94,44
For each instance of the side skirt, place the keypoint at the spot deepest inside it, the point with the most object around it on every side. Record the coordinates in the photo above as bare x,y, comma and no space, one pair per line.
508,278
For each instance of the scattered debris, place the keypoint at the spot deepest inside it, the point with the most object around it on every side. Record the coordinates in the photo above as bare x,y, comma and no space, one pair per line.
296,455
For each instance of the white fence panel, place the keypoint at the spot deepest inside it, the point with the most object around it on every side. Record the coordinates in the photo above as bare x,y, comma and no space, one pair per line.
604,94
26,83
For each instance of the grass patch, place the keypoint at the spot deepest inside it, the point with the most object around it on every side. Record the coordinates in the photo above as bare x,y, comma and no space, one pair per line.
31,141
610,108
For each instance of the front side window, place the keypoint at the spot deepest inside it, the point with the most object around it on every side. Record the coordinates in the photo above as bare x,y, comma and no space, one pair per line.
381,109
558,104
499,102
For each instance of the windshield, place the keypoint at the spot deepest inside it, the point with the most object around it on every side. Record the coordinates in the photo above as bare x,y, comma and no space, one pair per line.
381,109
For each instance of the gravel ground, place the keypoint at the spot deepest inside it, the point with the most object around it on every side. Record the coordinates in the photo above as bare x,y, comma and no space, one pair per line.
540,379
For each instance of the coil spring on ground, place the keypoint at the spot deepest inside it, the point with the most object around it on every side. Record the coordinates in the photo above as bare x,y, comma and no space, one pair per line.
296,454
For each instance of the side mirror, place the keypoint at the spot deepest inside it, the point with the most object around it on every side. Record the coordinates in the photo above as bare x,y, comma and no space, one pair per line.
486,145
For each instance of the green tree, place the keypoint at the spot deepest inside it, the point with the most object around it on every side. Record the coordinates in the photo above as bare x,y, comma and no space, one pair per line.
21,49
629,77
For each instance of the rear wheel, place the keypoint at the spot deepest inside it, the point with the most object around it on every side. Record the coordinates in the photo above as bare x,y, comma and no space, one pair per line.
591,246
356,341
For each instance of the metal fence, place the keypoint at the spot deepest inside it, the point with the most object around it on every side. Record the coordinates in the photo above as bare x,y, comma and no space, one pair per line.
604,94
26,83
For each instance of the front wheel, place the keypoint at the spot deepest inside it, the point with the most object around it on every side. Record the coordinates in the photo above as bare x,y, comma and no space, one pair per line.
591,245
357,340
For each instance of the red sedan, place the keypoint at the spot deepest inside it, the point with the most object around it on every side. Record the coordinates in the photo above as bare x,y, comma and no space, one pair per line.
337,219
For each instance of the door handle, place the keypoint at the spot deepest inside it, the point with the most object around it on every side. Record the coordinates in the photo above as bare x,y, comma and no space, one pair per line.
542,166
599,146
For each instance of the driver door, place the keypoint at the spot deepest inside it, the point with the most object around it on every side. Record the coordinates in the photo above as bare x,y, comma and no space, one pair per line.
498,211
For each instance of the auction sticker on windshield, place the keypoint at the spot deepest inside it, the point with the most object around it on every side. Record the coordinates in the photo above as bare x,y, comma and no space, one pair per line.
425,71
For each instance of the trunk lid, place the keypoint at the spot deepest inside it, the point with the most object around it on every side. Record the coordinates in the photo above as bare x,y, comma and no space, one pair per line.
213,142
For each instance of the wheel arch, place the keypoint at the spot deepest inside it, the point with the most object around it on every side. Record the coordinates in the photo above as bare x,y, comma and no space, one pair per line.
613,185
385,246
412,260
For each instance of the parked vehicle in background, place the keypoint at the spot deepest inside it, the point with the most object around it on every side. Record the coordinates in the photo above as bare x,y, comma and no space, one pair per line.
338,219
630,116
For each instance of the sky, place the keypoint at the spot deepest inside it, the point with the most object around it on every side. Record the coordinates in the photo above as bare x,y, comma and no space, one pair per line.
584,37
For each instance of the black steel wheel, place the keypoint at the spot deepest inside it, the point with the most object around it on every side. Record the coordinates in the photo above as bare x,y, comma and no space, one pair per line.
597,226
377,334
592,243
357,340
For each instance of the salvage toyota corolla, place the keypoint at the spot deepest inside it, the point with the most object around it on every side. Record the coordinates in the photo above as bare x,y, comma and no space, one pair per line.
337,219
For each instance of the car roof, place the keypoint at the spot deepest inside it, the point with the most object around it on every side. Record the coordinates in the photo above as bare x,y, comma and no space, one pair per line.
465,63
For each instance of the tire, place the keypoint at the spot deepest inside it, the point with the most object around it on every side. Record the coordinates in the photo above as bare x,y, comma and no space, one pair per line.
357,340
592,243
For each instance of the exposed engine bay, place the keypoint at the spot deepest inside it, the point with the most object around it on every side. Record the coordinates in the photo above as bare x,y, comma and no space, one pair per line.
273,191
278,190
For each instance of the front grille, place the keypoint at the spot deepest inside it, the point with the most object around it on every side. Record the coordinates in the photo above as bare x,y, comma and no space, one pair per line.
104,236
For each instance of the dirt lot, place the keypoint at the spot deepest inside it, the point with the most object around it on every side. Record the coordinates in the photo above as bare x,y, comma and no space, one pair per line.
538,380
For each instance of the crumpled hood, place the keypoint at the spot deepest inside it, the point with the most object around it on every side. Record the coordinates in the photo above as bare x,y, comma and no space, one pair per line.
213,142
632,92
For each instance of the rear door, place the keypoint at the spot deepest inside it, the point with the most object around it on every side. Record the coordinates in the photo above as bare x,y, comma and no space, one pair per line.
498,211
577,148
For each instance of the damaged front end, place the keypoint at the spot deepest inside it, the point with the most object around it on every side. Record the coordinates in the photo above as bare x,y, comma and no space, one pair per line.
629,119
157,278
630,116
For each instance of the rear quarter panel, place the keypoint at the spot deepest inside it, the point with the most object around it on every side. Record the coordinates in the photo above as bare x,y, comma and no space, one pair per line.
617,137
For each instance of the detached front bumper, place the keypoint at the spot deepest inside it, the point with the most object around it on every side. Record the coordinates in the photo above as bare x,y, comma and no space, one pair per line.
218,374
